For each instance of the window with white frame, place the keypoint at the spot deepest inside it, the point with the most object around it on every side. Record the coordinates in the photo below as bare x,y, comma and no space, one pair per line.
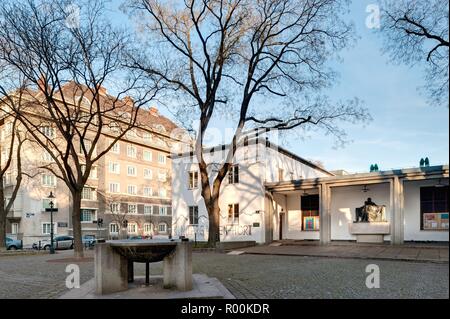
113,228
115,148
48,180
233,174
47,229
147,209
132,228
162,227
193,215
46,203
148,174
46,157
233,214
147,155
48,131
114,167
114,208
162,192
161,158
14,228
132,171
162,176
132,133
193,179
148,229
88,193
87,145
148,191
162,210
93,173
147,136
132,190
114,187
131,151
88,215
132,209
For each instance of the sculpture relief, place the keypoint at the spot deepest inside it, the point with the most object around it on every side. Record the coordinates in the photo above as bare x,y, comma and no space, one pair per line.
370,212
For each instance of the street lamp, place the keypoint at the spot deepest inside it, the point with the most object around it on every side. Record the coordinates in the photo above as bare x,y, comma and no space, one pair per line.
51,204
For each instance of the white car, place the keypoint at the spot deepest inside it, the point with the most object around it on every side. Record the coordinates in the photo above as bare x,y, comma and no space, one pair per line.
59,242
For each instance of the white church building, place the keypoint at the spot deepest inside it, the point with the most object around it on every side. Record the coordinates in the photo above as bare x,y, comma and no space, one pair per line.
272,194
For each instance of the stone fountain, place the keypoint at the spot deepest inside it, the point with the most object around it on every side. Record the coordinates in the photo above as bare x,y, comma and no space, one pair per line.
114,263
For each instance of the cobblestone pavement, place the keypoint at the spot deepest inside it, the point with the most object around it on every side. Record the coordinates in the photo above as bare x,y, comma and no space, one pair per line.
249,276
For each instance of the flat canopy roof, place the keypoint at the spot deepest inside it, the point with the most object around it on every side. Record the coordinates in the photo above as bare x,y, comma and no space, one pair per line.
361,178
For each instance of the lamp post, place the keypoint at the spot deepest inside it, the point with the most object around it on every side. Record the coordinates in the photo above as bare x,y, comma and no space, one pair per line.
51,204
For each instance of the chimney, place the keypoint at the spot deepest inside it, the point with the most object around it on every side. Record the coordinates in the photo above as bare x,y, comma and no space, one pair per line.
101,90
153,111
128,100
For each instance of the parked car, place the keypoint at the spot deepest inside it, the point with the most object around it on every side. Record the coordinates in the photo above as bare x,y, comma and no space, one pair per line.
59,242
89,240
13,244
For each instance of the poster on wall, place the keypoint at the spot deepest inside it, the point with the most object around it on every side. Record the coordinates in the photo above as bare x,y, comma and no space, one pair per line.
311,223
435,221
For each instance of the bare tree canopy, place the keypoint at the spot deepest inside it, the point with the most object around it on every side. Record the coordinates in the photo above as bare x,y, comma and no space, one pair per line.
59,57
416,33
264,62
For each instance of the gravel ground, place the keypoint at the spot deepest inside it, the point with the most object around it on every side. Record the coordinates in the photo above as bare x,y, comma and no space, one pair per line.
247,276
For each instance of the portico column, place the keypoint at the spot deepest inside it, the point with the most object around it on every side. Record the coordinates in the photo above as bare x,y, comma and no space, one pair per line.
397,213
324,214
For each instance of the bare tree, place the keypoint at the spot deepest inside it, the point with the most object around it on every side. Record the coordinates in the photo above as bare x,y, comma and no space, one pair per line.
11,149
263,62
416,33
66,55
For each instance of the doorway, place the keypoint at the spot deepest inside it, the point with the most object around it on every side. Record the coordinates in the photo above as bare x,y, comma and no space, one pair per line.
281,225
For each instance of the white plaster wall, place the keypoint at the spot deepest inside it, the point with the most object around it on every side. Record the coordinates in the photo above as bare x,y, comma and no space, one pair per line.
412,230
345,199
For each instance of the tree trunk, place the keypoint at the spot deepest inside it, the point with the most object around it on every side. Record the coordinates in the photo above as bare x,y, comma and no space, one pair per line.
3,214
214,222
76,225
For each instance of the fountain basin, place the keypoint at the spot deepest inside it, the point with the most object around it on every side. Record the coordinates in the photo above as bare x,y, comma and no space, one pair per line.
144,251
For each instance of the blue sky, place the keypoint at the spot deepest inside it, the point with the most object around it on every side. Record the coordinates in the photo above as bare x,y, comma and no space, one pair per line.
404,127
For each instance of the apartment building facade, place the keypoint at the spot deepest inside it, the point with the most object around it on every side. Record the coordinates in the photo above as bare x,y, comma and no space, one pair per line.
129,188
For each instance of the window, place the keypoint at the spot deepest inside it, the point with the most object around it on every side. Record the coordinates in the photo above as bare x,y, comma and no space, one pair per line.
47,229
48,180
113,228
114,167
132,209
14,228
233,214
162,210
87,145
131,151
147,156
131,133
88,194
148,229
233,174
115,208
132,228
148,191
114,187
162,227
115,148
161,158
162,176
193,215
434,208
46,203
162,193
280,174
132,171
147,137
147,210
93,173
132,190
310,212
148,174
114,127
88,215
193,180
48,131
46,157
155,210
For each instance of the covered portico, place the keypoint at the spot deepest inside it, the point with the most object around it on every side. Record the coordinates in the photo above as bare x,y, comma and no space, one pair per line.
400,191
